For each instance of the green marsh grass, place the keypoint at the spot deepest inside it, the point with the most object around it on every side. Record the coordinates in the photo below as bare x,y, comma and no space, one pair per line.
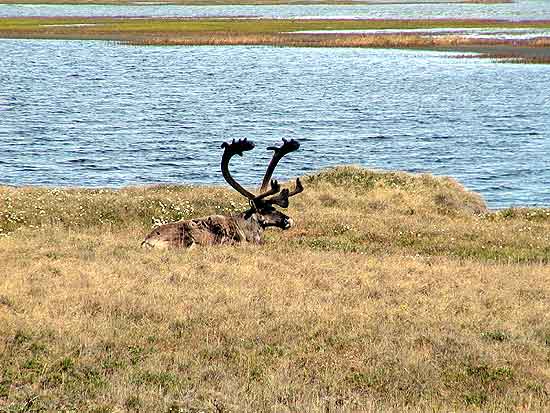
244,25
395,292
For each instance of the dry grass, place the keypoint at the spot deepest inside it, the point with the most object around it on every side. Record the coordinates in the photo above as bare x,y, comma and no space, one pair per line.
308,40
391,41
394,293
509,57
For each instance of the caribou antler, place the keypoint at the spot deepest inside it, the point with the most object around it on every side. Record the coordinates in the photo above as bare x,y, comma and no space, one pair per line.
281,199
275,187
297,189
231,149
287,147
237,148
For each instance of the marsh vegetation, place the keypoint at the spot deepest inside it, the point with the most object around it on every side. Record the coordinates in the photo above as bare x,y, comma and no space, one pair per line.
395,292
288,32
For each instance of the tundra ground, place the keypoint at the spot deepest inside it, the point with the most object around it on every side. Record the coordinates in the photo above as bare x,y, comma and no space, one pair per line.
395,292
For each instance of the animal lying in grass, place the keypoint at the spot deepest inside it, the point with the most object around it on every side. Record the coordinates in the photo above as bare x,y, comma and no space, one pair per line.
247,226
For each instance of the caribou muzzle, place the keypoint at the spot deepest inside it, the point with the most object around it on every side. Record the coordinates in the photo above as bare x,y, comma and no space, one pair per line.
288,223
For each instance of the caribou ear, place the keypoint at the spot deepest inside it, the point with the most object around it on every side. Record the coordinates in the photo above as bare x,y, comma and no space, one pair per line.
252,209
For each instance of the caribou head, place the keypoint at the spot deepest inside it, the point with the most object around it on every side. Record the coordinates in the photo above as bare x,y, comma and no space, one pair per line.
262,206
244,227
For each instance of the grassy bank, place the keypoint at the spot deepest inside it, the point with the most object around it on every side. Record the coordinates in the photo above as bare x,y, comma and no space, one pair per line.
285,32
394,292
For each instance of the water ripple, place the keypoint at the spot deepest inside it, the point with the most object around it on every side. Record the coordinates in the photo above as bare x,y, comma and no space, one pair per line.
516,10
113,125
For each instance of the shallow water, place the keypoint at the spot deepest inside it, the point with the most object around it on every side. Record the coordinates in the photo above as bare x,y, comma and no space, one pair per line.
97,114
519,10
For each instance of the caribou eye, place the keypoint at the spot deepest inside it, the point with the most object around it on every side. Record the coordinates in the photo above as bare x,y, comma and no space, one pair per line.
158,232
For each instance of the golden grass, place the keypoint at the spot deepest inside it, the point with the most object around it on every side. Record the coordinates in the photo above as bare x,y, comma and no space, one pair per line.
394,293
503,57
398,41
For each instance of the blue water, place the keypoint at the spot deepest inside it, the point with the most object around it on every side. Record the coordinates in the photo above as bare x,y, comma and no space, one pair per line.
77,113
518,10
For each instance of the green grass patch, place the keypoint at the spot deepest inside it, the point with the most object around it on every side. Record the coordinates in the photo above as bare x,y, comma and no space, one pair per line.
119,26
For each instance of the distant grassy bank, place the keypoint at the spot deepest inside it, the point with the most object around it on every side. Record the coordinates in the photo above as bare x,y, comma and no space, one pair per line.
395,292
285,32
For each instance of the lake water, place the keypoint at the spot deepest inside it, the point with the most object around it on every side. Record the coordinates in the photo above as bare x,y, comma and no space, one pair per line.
518,10
88,113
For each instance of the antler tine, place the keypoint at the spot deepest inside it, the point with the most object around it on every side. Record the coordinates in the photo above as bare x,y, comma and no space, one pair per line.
297,189
275,187
287,147
231,149
281,199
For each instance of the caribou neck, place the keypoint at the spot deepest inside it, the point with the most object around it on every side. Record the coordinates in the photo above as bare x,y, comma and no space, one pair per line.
250,226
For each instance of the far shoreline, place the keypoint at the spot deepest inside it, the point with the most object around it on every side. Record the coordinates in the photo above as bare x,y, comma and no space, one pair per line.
244,2
336,33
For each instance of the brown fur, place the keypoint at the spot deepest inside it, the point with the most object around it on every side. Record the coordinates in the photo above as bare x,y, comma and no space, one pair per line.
211,230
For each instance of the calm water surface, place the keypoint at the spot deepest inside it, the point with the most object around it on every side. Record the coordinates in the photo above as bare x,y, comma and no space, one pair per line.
98,114
519,10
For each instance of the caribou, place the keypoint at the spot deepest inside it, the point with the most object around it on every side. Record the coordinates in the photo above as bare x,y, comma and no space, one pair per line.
247,226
